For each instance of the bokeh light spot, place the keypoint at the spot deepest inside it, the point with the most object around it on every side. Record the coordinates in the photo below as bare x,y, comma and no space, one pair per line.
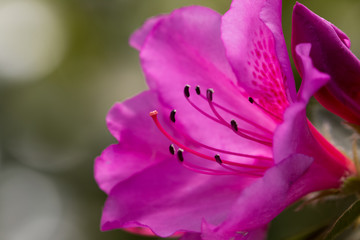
33,40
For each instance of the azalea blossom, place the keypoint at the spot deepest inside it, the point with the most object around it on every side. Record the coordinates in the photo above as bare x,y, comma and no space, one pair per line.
330,54
227,145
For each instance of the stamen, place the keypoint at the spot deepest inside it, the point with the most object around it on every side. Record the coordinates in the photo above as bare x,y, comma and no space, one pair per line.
153,115
266,141
218,159
236,115
252,101
220,120
257,157
206,172
197,89
186,91
172,149
257,173
242,132
172,115
209,94
202,112
234,125
209,171
242,118
180,155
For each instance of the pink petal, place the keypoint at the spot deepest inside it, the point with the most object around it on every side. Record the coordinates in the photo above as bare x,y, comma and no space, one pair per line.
138,38
331,54
306,162
186,48
251,31
271,16
259,203
297,135
313,79
130,123
168,198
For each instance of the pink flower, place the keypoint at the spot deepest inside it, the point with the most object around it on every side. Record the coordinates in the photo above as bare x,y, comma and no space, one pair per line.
240,133
331,54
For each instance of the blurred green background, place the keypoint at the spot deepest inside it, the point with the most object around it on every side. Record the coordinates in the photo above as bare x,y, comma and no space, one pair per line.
63,64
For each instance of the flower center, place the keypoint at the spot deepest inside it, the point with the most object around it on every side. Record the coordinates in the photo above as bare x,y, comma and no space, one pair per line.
244,164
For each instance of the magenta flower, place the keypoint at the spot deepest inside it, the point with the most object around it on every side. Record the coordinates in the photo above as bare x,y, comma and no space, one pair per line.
331,54
237,150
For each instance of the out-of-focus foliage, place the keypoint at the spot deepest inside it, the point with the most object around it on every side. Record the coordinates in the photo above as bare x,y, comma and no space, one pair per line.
62,65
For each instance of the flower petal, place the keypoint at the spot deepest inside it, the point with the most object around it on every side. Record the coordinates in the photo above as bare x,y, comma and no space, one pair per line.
259,203
186,48
297,135
168,198
138,38
313,79
331,54
257,52
271,16
133,128
304,163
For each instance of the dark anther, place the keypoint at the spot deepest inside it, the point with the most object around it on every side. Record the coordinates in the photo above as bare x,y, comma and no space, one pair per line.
172,149
209,94
218,159
186,91
251,100
172,115
234,125
180,155
197,89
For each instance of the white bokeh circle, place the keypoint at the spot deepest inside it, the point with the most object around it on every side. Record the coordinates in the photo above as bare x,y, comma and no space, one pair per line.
30,205
33,39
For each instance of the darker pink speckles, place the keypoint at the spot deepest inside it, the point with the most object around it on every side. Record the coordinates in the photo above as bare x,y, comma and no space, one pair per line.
264,67
266,57
258,54
267,77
